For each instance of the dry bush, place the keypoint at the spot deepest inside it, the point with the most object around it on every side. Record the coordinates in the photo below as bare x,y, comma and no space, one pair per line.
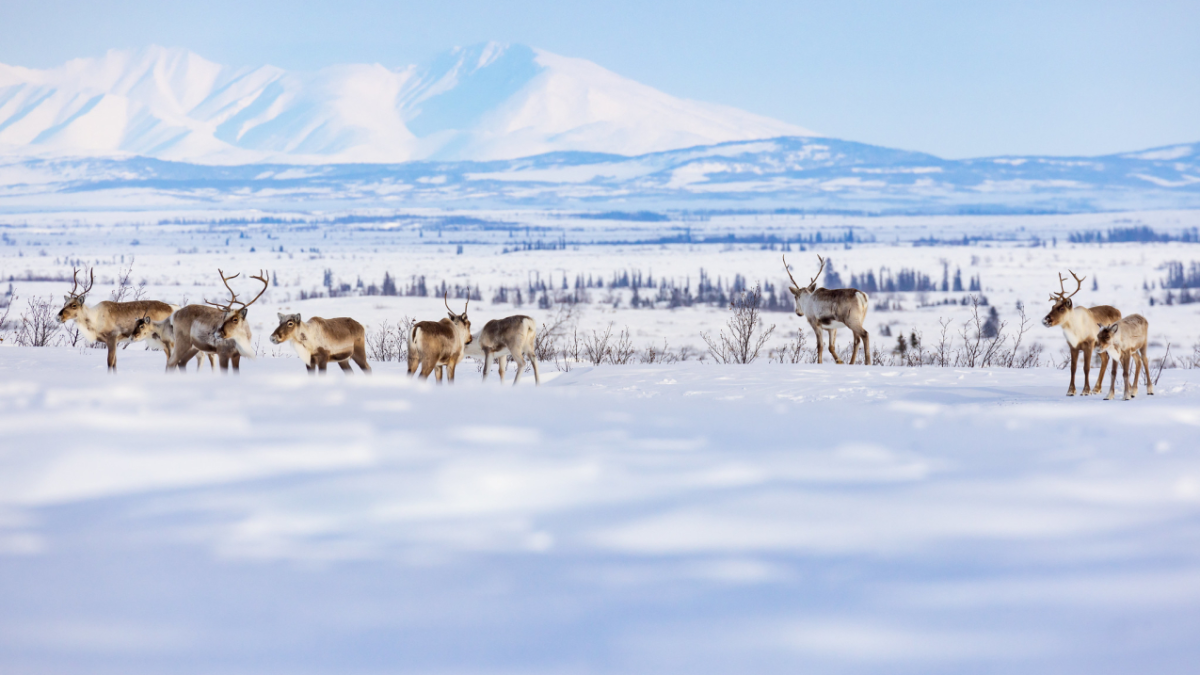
125,290
796,351
746,332
38,326
545,345
388,342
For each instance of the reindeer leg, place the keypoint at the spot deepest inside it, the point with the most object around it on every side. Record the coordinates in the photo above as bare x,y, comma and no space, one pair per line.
360,356
1125,375
502,365
866,342
1074,360
1087,368
820,343
345,365
1149,384
223,358
111,342
426,369
833,346
854,347
236,358
1137,373
322,360
1100,376
450,368
487,365
1112,381
537,378
520,360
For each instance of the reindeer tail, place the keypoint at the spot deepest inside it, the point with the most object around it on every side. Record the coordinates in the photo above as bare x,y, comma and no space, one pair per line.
412,351
862,300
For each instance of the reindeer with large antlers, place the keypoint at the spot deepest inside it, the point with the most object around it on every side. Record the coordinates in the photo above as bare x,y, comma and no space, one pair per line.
109,322
436,344
830,309
1080,326
220,328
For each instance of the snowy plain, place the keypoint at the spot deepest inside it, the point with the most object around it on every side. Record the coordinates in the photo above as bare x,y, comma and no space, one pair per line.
680,518
684,517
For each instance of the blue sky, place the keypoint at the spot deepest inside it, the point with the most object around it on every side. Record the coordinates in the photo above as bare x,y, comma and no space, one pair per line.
957,79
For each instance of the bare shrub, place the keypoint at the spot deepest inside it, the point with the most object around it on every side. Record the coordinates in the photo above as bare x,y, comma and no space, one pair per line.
125,289
796,351
597,348
652,354
388,342
38,326
545,345
622,351
746,332
9,302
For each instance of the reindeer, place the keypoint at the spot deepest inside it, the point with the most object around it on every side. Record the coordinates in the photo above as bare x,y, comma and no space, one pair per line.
1080,326
161,335
828,310
433,344
514,334
1121,340
219,329
108,322
319,341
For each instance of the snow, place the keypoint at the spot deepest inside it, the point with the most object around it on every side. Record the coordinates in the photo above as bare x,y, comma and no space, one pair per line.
685,518
488,101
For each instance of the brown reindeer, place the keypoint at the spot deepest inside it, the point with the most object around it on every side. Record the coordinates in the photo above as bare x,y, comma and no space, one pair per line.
515,335
319,341
1080,326
108,322
828,310
1126,339
220,329
161,335
433,344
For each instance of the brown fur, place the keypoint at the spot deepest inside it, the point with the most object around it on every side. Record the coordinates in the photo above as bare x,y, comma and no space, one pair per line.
514,334
195,327
434,344
1126,339
319,341
111,322
826,309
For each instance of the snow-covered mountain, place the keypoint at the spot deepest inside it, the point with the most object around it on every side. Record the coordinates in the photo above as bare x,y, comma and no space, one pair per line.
483,102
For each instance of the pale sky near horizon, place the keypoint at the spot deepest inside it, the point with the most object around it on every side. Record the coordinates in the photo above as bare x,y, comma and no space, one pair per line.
957,79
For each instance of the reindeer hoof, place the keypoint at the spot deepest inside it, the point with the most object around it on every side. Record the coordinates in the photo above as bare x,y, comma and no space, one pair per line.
1109,397
1149,391
1070,392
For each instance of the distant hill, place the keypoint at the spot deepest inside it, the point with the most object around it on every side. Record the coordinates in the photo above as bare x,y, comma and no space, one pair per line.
804,173
488,101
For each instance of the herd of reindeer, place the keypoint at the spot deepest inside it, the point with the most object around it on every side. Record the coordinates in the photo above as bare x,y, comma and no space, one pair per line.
220,331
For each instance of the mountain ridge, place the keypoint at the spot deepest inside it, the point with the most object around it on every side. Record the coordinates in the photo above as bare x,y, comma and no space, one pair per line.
486,101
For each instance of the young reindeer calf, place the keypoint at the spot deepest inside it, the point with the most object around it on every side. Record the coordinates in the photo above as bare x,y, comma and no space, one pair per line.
1123,340
433,344
319,341
514,334
161,335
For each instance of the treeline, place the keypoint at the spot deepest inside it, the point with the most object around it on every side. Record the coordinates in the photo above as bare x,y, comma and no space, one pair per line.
1138,234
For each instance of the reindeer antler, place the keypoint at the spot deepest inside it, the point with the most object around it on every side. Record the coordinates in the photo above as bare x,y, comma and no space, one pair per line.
232,296
789,272
446,301
75,278
819,270
1062,292
1078,284
262,276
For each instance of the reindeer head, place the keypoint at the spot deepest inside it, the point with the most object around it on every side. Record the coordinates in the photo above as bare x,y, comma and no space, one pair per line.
288,324
1062,301
142,329
75,300
234,326
459,321
801,293
1107,335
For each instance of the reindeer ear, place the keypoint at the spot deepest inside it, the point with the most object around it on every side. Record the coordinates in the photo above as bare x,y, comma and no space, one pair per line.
242,312
281,315
794,290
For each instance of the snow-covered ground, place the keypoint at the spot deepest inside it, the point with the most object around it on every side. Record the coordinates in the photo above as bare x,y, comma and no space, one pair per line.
681,518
